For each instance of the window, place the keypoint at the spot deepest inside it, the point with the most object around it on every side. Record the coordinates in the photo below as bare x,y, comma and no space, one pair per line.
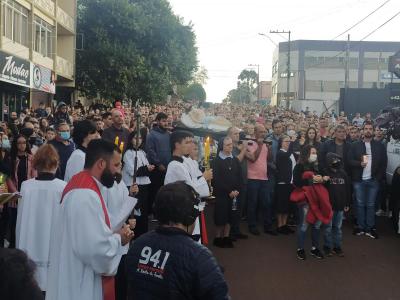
15,22
43,37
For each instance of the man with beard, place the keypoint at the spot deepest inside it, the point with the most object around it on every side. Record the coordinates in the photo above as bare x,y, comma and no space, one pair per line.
87,246
368,160
158,150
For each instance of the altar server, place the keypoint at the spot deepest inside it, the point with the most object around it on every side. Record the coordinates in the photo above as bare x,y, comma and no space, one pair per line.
38,209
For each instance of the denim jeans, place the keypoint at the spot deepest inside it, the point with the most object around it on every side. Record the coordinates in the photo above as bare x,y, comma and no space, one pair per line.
333,231
258,192
366,192
303,226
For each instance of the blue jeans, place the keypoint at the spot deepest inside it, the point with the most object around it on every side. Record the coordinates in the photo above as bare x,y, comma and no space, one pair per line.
333,231
303,226
259,192
366,191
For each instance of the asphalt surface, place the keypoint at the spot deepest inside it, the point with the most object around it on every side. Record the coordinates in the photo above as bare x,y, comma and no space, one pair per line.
266,267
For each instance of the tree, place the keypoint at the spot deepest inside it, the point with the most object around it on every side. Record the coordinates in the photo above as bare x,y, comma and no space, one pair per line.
195,91
133,49
246,88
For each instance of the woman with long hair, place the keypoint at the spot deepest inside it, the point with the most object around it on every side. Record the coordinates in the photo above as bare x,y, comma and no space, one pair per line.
305,175
311,138
135,159
21,170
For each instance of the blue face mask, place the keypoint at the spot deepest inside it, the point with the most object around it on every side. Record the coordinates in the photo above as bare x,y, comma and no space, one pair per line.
6,145
65,135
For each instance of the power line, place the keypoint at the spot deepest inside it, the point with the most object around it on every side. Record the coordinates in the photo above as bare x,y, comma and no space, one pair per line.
380,26
356,43
363,19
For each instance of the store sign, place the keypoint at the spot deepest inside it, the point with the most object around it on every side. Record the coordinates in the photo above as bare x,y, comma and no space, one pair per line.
43,79
15,70
284,75
394,64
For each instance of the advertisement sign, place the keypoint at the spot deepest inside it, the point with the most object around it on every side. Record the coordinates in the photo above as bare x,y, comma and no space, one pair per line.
15,70
394,65
43,79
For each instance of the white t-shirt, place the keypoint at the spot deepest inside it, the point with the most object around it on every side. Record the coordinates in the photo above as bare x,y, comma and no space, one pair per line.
367,170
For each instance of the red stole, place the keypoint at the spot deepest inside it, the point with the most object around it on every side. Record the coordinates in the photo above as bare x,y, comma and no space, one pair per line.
84,180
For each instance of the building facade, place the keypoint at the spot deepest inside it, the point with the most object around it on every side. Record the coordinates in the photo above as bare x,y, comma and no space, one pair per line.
318,68
37,52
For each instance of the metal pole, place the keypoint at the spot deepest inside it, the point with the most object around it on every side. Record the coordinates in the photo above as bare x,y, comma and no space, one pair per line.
288,76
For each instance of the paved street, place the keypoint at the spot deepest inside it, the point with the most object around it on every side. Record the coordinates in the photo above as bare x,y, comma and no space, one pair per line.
266,267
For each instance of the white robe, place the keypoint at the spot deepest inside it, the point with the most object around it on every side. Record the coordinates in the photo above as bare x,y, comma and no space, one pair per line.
178,171
85,248
199,182
75,164
129,167
119,206
37,210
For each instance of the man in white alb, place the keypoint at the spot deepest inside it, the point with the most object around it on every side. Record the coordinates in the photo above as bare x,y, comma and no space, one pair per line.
86,251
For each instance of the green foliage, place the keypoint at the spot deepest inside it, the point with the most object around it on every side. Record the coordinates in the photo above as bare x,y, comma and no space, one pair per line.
246,88
135,49
195,91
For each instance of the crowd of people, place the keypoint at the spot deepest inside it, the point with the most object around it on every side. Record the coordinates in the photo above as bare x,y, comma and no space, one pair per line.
273,169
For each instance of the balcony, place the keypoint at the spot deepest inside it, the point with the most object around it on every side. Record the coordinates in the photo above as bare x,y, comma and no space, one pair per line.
46,5
65,20
65,68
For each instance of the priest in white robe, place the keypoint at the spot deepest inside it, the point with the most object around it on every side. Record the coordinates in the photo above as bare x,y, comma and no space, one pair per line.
38,208
86,250
84,132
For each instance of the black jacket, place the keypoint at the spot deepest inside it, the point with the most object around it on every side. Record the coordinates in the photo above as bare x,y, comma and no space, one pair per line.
284,167
168,264
339,187
379,160
330,146
227,176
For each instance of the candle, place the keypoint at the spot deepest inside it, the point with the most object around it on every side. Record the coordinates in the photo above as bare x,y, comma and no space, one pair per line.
121,147
116,142
207,151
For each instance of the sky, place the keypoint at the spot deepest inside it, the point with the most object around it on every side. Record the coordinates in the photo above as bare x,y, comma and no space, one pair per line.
228,40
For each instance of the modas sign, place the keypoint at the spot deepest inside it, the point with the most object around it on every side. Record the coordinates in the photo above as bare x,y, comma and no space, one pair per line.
394,64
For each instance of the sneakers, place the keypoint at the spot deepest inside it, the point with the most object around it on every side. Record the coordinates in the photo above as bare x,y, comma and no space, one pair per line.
241,236
381,213
358,231
254,231
372,234
218,242
327,251
338,252
227,242
270,232
301,254
282,230
316,253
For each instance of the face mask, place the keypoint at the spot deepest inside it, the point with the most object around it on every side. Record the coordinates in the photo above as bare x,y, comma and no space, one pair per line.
27,132
118,177
65,135
6,145
312,158
107,178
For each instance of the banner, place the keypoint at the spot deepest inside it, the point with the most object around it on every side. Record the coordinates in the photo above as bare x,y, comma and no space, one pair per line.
43,79
15,70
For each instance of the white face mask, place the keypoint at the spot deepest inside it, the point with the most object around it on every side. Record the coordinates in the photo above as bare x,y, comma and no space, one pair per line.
312,158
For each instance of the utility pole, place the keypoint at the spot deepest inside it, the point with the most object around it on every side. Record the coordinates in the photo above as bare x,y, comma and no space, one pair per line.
347,70
258,79
287,66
